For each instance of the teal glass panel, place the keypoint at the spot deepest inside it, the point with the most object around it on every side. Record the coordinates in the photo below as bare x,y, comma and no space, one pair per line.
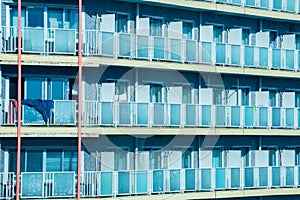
290,5
65,41
263,57
236,2
249,56
175,49
263,116
276,58
32,185
142,113
106,183
141,182
264,3
124,113
174,180
34,40
71,19
275,116
276,176
235,178
32,116
107,43
249,116
34,161
190,50
58,90
298,176
159,48
158,181
206,179
190,115
34,88
290,176
221,1
124,45
206,52
54,161
289,117
35,17
159,116
143,46
175,114
250,3
64,184
235,54
107,113
220,178
263,177
249,181
277,4
220,116
68,114
206,115
55,18
220,53
70,161
298,57
298,117
290,59
190,179
235,116
123,182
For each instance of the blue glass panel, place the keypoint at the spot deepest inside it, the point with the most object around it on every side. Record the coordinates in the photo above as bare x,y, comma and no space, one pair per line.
235,54
249,181
142,44
174,180
220,53
235,116
206,52
141,182
158,181
237,2
190,176
235,178
175,114
290,5
206,179
263,116
276,176
290,176
54,161
220,116
70,161
250,3
107,43
221,1
34,88
159,113
290,59
220,178
124,45
263,57
249,116
263,177
65,41
35,158
277,4
190,115
64,184
68,114
298,56
249,56
159,48
107,113
124,113
206,115
123,182
275,116
34,40
106,183
276,58
298,117
175,49
190,50
142,113
298,175
32,185
264,3
32,116
289,117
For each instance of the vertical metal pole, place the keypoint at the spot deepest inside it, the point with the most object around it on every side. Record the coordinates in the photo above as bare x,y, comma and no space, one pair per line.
19,104
79,94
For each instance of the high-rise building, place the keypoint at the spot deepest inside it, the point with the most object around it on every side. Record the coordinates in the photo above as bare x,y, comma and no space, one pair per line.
191,99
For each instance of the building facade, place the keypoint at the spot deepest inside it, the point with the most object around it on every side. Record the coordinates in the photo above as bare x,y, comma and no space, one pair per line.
178,96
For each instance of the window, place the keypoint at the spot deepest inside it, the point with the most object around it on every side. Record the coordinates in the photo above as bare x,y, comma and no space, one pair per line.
155,93
297,99
245,151
298,42
155,27
217,97
13,161
218,33
14,17
187,159
187,28
155,160
55,18
35,17
272,98
217,158
245,96
272,156
35,88
297,156
71,19
121,91
121,160
186,94
54,161
273,37
70,161
121,23
245,36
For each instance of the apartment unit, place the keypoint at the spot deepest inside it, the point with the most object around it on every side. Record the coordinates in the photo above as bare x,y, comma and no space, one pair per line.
200,99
